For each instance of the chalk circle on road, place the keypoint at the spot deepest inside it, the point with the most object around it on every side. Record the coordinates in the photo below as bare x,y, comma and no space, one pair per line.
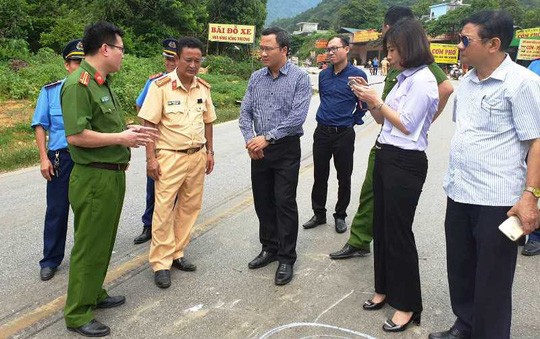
332,331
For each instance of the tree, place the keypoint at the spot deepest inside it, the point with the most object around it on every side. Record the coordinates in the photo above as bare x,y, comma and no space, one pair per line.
361,14
14,19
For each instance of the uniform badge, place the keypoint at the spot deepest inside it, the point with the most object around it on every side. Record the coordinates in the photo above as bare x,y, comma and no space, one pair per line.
173,102
155,76
204,83
85,78
79,46
163,81
174,85
172,44
105,98
199,101
99,79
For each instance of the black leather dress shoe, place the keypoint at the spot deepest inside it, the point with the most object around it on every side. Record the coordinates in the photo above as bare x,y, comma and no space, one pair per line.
111,302
162,278
46,273
341,225
349,251
93,328
390,326
263,259
183,265
531,248
284,274
145,235
369,305
452,333
314,222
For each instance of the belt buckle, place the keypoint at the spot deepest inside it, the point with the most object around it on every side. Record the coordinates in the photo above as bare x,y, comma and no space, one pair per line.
192,150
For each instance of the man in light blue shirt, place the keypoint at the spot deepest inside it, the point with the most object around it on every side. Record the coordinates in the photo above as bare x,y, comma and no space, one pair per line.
55,163
532,247
497,117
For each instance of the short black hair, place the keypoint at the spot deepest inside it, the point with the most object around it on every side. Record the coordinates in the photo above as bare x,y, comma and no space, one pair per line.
493,24
397,13
282,36
410,39
344,39
189,42
99,33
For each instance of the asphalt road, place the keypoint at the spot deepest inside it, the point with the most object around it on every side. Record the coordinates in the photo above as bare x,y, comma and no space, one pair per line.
223,299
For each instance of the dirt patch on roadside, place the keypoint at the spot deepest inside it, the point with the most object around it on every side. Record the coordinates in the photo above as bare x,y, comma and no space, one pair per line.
14,112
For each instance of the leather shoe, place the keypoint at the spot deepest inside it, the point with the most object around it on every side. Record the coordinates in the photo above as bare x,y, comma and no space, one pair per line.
183,265
349,251
111,302
46,273
369,305
263,259
452,333
162,278
531,248
341,225
390,326
284,274
314,222
145,235
93,328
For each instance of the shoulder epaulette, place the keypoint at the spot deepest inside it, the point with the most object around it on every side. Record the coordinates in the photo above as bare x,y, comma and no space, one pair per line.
85,78
163,81
204,83
155,76
53,84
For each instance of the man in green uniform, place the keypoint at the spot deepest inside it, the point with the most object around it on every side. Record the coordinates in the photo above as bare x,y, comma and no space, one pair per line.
362,224
99,145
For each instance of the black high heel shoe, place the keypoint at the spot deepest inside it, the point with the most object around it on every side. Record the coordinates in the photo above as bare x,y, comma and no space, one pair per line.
369,305
390,326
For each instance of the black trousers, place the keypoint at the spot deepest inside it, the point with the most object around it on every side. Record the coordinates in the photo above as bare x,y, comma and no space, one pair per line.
331,142
398,179
481,262
274,180
56,215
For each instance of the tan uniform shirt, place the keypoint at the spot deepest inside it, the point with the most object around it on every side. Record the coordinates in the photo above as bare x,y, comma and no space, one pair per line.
179,113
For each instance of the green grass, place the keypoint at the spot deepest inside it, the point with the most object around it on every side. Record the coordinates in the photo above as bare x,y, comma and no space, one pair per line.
21,87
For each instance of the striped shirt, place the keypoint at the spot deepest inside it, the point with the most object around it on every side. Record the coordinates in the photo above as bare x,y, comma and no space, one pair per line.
495,120
275,107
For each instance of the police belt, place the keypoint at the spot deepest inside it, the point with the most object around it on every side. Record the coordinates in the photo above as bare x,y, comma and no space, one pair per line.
61,150
109,166
187,151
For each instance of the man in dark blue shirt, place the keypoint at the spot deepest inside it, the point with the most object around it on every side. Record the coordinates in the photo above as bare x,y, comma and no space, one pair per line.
334,136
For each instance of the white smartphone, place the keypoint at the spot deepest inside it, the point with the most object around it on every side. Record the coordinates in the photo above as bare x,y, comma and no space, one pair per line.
511,227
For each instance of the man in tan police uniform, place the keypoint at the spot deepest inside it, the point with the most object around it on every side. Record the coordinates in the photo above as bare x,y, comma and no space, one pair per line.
180,107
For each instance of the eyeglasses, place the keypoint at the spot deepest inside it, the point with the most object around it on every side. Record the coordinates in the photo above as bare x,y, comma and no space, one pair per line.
121,48
267,49
333,49
465,40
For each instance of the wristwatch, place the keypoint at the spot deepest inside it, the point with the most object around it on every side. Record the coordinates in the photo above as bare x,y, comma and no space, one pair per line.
534,190
269,138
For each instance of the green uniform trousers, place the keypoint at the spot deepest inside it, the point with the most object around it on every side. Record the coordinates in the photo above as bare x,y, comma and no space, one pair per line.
96,197
362,224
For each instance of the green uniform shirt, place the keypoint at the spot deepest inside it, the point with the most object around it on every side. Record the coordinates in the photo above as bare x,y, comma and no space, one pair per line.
391,78
88,105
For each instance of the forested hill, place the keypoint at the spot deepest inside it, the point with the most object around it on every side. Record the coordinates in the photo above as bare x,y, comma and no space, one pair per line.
278,9
333,14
